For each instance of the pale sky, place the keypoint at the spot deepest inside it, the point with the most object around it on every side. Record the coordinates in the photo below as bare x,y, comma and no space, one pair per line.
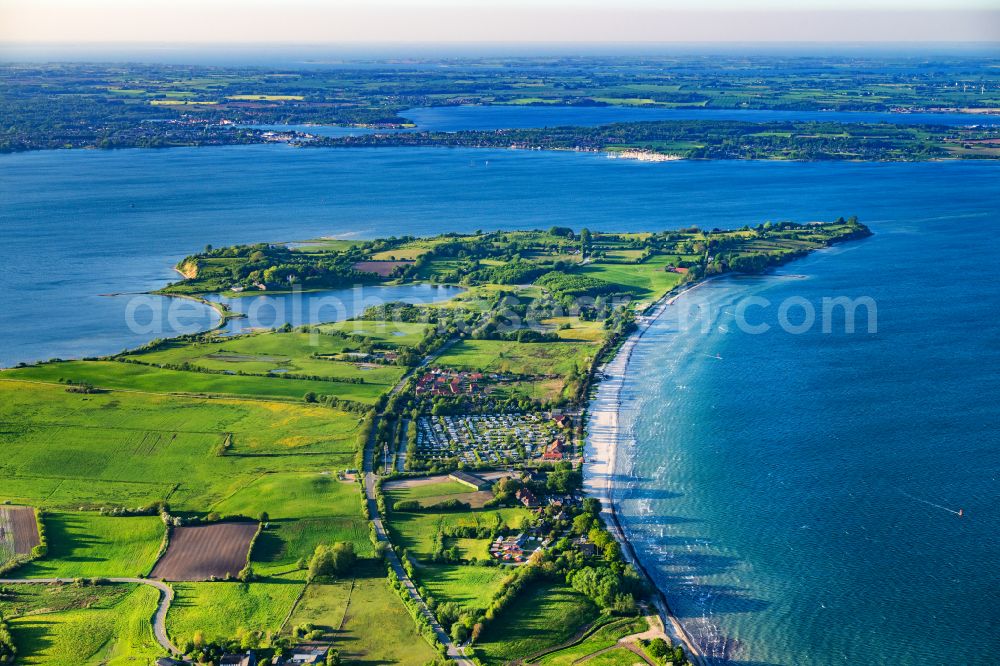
451,21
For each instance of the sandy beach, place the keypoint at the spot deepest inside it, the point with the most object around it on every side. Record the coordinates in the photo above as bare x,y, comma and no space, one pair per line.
603,436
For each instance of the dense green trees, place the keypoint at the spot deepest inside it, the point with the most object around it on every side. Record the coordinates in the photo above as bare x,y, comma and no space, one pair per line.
712,139
8,651
335,560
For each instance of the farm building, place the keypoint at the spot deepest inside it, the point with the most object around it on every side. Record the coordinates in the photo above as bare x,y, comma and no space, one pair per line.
303,654
470,480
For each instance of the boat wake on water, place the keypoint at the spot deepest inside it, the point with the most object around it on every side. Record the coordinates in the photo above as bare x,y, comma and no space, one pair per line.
958,512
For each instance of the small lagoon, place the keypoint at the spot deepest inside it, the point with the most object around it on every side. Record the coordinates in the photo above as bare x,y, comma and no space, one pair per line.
262,311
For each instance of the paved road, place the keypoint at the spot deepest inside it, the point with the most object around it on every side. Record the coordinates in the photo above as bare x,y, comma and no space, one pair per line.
159,619
455,653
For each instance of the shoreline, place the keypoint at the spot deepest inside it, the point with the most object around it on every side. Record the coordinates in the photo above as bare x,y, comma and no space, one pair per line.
600,456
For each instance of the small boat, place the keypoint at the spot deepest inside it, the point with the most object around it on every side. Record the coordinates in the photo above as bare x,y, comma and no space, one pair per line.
961,512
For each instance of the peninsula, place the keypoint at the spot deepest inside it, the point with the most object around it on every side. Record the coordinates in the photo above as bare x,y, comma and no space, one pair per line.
404,486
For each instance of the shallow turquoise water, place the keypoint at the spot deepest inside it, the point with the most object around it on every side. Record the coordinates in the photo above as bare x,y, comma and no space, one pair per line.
780,478
795,493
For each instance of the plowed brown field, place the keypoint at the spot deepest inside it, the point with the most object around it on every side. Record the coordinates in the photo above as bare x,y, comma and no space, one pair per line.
200,552
18,532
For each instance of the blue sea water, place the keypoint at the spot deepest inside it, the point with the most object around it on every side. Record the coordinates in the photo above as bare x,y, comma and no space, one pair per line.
781,490
455,118
796,494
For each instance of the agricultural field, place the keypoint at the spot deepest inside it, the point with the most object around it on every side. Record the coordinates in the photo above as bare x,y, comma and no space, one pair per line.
647,281
69,450
544,617
572,329
429,494
283,543
471,587
202,552
393,333
18,532
90,626
364,618
286,495
89,545
148,379
222,610
300,354
304,510
532,358
409,250
416,531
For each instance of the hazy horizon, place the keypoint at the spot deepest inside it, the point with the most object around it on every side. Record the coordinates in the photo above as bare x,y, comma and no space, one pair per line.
68,22
332,55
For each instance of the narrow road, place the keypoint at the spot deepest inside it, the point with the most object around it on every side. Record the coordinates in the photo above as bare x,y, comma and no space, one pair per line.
455,653
159,619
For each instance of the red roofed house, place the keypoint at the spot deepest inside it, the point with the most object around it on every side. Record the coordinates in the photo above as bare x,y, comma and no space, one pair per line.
554,451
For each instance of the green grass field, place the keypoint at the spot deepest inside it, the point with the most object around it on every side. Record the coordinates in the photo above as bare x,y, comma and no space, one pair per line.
470,587
127,449
415,531
424,490
396,333
536,358
291,353
89,545
304,510
648,281
365,619
144,378
617,657
604,637
114,630
222,610
544,616
294,495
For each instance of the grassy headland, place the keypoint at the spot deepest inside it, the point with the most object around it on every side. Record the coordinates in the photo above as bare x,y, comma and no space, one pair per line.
271,426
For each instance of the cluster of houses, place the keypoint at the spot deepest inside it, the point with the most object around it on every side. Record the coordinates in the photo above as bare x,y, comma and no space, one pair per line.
493,439
450,383
516,549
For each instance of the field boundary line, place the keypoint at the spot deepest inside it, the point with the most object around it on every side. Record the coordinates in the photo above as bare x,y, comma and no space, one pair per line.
291,611
240,489
347,607
190,396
